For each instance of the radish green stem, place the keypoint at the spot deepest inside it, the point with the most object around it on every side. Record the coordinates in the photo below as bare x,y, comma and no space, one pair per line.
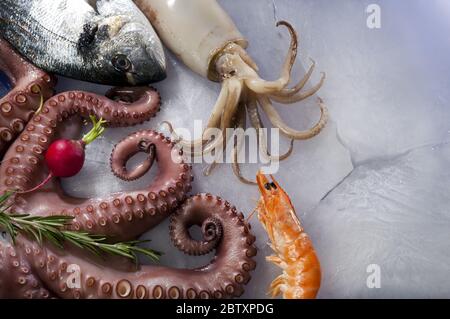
97,130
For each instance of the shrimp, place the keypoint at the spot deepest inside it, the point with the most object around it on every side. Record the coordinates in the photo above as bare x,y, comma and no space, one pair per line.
294,252
204,37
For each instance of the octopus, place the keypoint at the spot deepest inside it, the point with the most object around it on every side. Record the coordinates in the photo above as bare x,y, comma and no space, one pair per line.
205,38
32,270
29,85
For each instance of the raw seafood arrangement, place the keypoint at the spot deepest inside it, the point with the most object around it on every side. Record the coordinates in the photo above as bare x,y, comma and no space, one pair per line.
214,48
46,231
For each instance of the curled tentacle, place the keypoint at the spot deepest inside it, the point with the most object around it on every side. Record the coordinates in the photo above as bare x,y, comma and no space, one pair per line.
29,86
242,87
27,153
294,98
125,215
300,85
259,86
211,230
122,215
125,151
224,277
276,120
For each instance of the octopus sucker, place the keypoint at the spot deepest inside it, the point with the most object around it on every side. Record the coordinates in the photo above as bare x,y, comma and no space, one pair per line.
30,87
214,48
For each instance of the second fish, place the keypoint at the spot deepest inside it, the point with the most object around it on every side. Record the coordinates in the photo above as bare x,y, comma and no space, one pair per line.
101,41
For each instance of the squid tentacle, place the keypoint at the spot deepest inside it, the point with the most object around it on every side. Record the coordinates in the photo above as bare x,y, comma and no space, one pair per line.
260,86
237,145
294,98
276,120
255,119
300,85
222,104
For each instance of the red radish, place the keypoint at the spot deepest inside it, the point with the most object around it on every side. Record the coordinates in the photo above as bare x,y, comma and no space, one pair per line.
65,158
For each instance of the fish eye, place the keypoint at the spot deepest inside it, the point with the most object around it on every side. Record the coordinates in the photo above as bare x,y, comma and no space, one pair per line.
121,63
267,186
273,185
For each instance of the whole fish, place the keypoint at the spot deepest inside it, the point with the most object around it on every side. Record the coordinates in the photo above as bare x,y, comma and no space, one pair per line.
102,41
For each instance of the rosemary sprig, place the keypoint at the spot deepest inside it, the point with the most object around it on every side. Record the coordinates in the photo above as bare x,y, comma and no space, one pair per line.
51,228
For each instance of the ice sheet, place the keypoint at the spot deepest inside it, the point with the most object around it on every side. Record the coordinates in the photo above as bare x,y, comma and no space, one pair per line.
387,91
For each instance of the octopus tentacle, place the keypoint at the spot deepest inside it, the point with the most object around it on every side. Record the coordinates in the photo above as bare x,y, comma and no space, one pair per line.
123,152
126,215
211,230
27,152
123,215
276,120
29,86
233,260
224,277
21,282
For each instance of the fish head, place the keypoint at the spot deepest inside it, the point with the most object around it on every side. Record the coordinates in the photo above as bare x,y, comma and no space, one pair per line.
128,52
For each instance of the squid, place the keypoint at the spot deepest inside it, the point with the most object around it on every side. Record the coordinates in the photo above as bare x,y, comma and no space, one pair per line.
203,36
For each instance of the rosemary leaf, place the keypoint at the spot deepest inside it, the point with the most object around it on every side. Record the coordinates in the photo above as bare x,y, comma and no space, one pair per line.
51,228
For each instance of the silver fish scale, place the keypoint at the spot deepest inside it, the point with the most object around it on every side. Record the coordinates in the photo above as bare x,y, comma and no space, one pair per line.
43,26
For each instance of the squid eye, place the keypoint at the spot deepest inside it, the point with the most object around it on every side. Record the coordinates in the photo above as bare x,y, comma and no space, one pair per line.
121,63
273,185
267,186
